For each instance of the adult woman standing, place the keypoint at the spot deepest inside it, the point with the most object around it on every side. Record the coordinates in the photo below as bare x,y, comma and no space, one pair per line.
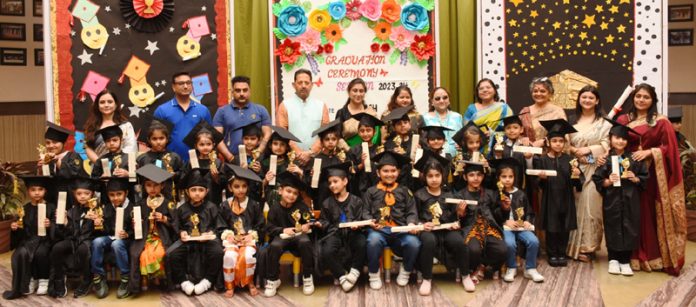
590,142
542,109
402,97
354,105
105,112
662,232
487,109
439,114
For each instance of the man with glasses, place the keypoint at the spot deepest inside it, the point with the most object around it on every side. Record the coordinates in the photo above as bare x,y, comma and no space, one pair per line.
182,112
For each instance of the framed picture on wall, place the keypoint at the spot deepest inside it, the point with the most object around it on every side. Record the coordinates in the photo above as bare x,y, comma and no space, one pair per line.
39,57
13,31
12,7
681,37
683,12
38,32
13,56
37,8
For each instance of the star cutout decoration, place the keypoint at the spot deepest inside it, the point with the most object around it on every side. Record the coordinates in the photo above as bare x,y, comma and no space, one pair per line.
516,2
72,33
610,38
171,29
203,8
135,111
116,31
604,26
163,82
621,29
128,26
556,25
589,20
107,8
157,84
85,57
614,9
151,46
583,35
534,14
213,36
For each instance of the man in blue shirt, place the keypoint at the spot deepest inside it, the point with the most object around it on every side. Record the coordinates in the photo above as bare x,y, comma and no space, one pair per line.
239,113
182,112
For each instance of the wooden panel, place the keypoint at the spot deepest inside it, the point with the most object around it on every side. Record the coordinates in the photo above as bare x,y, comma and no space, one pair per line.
19,135
689,122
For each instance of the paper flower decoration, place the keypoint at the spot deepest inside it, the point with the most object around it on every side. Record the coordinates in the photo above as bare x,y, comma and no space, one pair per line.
292,21
288,51
414,17
353,9
371,9
309,41
391,11
337,9
401,37
423,47
382,30
333,33
148,16
319,19
328,48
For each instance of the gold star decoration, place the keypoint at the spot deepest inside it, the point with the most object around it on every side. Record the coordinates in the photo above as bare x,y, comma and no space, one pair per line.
589,20
609,38
513,23
534,14
516,2
614,9
621,29
556,25
599,9
583,35
625,1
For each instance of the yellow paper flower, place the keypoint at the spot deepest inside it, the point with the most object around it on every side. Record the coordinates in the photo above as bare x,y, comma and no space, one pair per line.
319,19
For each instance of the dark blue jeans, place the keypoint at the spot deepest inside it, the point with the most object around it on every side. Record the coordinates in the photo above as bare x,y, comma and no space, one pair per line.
404,244
120,248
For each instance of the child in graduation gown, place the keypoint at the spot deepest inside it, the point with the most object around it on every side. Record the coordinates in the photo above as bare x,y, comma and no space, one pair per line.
513,130
204,138
148,253
63,165
251,139
558,198
244,222
289,221
330,154
482,234
118,160
30,259
342,249
390,204
471,140
362,180
621,205
195,263
446,244
280,147
157,137
435,142
401,139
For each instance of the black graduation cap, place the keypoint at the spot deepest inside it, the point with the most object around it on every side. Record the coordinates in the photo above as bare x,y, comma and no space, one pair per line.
251,128
340,170
473,167
56,133
236,171
435,131
675,113
87,183
197,178
459,136
398,114
117,184
509,162
109,132
286,179
512,119
619,129
154,173
557,127
389,157
202,127
334,125
282,133
36,181
367,120
429,157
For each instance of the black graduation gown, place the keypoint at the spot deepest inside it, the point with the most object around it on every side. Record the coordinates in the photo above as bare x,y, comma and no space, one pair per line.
621,205
176,163
280,217
209,220
98,171
519,172
405,177
255,188
71,166
214,188
424,200
334,213
558,195
252,217
110,220
322,192
486,201
459,183
78,230
28,241
402,212
361,179
270,191
518,200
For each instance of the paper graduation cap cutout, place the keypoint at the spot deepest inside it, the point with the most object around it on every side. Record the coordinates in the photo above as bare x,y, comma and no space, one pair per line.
367,120
620,130
198,27
235,171
141,93
188,46
201,86
94,83
334,125
36,181
135,70
398,114
286,179
197,178
435,131
282,133
85,10
94,35
56,133
203,127
428,158
388,157
150,18
154,173
117,184
557,127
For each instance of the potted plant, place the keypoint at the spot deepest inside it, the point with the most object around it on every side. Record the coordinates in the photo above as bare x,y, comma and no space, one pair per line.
12,195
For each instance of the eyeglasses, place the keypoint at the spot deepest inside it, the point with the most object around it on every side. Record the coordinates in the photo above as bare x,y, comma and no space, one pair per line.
440,98
180,83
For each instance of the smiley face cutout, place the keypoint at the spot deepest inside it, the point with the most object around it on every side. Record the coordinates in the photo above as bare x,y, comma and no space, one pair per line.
188,48
94,36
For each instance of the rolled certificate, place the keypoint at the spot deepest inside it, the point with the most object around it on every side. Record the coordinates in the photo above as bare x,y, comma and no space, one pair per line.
368,163
285,236
60,210
414,145
355,224
445,226
273,167
615,169
419,153
505,227
528,149
106,167
206,237
242,156
456,201
41,217
536,172
131,168
119,222
137,223
406,228
316,172
475,156
193,159
617,106
45,170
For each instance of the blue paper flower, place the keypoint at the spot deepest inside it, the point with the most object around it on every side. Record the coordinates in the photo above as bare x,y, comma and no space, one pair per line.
414,17
292,21
337,9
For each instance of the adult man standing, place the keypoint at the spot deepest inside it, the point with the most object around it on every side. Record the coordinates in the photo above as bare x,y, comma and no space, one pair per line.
239,113
182,112
302,114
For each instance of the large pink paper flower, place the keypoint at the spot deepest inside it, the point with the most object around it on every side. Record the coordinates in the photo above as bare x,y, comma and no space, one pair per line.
353,9
401,37
371,9
309,41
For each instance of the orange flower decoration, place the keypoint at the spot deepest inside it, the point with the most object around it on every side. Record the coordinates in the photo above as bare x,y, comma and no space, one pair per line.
423,47
288,51
391,11
382,30
333,33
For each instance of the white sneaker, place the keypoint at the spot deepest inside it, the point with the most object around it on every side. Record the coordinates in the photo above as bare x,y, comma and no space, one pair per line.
353,276
346,285
308,285
510,275
468,283
614,267
425,287
375,281
43,287
626,269
202,286
187,287
271,287
32,286
534,275
403,277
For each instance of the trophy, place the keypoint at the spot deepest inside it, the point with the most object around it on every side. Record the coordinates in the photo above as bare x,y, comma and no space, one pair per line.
254,155
626,164
458,163
308,217
574,164
195,221
501,189
340,154
117,162
239,230
291,158
384,212
520,213
498,141
213,157
94,208
436,212
296,215
153,203
20,216
167,159
43,154
397,145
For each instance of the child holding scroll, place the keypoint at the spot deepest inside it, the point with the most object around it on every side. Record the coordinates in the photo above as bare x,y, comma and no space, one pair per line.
204,138
251,140
56,161
362,179
157,138
330,154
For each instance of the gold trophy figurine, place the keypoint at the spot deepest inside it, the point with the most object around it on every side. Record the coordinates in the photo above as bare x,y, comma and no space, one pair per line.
436,212
94,207
291,158
20,217
498,142
213,157
44,156
153,203
296,215
117,162
626,164
384,212
254,155
307,217
341,155
397,145
167,159
501,189
520,213
195,221
458,163
239,230
574,164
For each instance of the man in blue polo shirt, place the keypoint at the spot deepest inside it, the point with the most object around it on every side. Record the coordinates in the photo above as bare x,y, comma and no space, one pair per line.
182,112
239,113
